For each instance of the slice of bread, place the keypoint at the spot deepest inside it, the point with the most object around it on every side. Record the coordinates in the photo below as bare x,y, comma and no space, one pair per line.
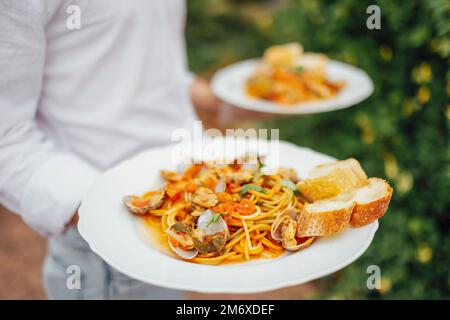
329,180
283,55
324,217
371,202
313,62
356,208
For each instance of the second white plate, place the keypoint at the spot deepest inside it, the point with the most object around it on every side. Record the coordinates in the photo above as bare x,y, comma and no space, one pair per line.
229,85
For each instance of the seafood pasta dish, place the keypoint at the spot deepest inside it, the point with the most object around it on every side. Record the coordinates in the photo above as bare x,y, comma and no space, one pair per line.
287,76
214,213
211,213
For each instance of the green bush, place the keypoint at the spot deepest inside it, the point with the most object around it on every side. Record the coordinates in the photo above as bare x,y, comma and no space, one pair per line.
401,132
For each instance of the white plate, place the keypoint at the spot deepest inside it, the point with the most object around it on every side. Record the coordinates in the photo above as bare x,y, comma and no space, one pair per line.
229,85
114,234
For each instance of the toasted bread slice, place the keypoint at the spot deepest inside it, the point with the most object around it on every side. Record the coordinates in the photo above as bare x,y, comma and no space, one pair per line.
325,217
283,55
356,208
371,202
329,180
313,62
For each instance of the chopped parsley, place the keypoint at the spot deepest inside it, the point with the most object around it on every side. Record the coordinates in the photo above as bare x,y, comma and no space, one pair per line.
249,187
298,69
290,185
214,218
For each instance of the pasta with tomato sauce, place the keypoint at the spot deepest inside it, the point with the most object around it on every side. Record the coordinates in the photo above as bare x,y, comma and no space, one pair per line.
215,213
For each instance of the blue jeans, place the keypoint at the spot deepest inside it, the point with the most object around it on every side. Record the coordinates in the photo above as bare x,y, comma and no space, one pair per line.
97,279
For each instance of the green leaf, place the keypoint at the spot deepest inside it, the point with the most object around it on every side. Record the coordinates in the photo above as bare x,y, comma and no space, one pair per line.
288,184
248,187
298,69
214,219
260,163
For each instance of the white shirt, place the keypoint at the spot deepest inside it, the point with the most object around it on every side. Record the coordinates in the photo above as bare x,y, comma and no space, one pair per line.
75,102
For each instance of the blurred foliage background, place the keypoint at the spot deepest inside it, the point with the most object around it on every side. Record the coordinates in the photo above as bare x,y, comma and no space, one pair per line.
401,132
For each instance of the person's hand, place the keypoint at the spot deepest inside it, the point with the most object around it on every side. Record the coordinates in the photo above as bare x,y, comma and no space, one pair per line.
74,220
228,113
211,107
203,98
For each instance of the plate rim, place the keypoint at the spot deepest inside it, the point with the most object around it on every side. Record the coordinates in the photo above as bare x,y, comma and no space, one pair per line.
253,289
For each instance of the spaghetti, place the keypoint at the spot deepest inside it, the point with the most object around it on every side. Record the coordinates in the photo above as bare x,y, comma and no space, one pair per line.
287,76
213,214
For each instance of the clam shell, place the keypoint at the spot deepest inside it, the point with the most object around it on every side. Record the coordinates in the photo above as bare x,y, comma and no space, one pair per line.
186,254
128,200
288,213
185,240
211,228
301,246
218,230
204,197
157,200
221,185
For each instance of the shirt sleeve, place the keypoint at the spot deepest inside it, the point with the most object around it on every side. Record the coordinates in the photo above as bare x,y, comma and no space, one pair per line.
189,77
37,180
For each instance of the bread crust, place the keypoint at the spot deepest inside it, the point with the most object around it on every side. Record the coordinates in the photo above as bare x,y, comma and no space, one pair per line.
323,223
346,196
330,185
365,213
337,181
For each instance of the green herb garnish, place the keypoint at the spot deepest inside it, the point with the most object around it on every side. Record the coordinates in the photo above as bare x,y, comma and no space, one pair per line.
298,69
248,187
290,185
214,218
260,164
